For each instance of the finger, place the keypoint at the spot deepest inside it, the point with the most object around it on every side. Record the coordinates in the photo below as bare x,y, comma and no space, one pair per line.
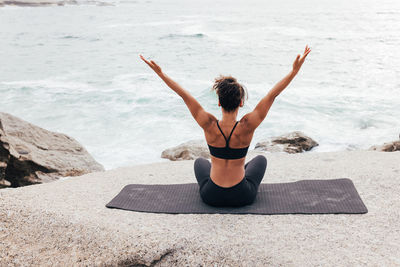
143,58
304,56
307,52
155,64
307,49
147,62
297,58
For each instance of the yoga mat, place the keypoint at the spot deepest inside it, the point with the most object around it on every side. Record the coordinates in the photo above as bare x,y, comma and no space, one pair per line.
301,197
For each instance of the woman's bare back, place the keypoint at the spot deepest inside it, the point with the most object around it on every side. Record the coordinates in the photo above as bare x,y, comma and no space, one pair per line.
228,172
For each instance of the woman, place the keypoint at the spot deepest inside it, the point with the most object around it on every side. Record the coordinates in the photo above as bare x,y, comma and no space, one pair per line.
227,180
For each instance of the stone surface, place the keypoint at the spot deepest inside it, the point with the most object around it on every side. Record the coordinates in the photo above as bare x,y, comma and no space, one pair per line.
187,151
30,154
387,147
294,142
66,223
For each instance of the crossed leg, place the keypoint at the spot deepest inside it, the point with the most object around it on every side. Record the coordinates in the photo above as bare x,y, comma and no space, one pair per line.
255,169
202,168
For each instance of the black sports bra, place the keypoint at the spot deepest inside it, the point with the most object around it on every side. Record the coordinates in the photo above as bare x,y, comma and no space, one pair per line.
227,152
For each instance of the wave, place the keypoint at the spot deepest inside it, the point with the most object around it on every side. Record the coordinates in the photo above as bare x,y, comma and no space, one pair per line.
70,37
166,23
51,84
387,12
173,35
75,37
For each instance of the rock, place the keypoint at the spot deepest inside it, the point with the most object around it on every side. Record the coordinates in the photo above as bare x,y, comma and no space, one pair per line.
33,3
387,147
31,155
187,151
3,181
294,142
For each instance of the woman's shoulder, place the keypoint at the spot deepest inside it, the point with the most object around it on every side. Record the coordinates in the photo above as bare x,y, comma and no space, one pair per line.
244,125
244,121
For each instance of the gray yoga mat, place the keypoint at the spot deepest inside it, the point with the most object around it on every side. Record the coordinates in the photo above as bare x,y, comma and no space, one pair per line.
301,197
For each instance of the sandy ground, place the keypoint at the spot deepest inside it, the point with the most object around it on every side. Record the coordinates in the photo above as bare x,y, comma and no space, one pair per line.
66,222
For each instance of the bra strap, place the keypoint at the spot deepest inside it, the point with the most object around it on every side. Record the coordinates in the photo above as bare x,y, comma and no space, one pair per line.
229,138
221,132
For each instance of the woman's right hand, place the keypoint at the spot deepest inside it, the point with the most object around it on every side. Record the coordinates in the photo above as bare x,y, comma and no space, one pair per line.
300,60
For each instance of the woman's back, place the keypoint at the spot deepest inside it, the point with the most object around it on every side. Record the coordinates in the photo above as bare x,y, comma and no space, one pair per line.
228,172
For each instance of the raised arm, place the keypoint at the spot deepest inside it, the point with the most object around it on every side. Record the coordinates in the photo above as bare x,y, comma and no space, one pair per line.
254,118
202,117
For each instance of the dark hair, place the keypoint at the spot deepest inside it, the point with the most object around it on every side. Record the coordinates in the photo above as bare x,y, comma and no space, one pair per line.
229,92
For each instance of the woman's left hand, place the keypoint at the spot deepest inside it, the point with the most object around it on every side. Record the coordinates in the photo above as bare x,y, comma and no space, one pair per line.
152,65
300,60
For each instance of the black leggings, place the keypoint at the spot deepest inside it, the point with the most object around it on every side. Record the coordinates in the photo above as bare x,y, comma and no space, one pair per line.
240,194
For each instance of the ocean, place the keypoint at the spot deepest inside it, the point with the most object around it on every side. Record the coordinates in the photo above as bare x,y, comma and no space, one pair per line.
75,69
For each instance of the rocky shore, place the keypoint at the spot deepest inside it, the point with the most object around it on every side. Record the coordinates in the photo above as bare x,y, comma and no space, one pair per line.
293,142
32,155
66,223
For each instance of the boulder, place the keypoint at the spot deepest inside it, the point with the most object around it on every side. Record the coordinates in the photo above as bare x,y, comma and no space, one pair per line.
31,155
187,151
294,142
387,147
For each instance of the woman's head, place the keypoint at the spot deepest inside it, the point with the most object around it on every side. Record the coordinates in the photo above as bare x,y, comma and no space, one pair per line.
230,93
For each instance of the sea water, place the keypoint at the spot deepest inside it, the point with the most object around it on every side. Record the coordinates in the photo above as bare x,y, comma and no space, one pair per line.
75,69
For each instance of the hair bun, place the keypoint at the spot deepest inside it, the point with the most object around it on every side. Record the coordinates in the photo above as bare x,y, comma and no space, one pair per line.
229,92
